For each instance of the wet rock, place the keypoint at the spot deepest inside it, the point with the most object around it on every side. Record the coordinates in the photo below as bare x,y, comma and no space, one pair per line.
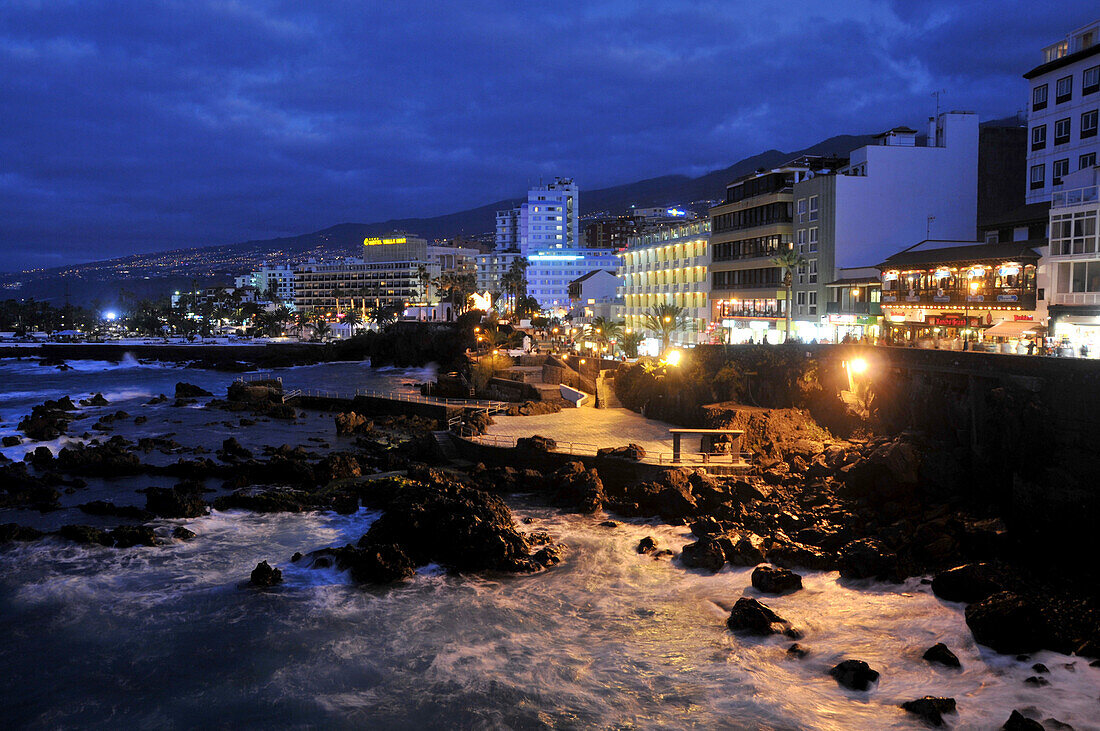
705,554
182,534
127,536
537,443
102,507
232,449
941,654
1008,623
14,532
787,553
969,583
187,390
11,441
549,555
274,500
772,580
265,575
1040,668
577,489
174,502
380,564
647,545
609,524
854,674
1037,681
1019,722
797,651
86,534
930,708
48,420
41,457
345,503
533,408
338,466
630,451
745,549
111,459
352,423
867,558
447,523
754,617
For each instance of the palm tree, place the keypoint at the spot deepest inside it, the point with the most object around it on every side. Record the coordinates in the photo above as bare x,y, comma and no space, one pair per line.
424,277
665,319
788,261
629,343
321,330
514,281
604,331
353,319
382,315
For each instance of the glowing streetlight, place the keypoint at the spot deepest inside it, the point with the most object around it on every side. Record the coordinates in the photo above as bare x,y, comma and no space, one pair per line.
110,316
673,357
857,365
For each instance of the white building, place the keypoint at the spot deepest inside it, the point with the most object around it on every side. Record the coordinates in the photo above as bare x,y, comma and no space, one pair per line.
550,271
1064,101
889,195
594,294
1072,263
279,278
669,265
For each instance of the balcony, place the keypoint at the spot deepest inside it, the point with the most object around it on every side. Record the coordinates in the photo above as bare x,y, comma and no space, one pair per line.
1075,197
1024,299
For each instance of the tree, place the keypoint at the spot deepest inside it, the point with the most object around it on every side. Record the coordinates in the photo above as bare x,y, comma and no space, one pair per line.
382,315
629,343
665,319
514,282
456,288
321,330
604,331
353,320
424,277
788,261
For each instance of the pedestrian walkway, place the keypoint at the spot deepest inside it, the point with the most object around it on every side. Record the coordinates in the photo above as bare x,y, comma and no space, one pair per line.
588,427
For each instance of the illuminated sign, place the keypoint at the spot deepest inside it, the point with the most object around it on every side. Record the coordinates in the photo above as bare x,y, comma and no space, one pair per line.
890,276
676,212
1008,270
942,273
977,271
374,241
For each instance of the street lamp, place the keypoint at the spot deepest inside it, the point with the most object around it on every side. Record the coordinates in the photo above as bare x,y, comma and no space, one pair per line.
972,291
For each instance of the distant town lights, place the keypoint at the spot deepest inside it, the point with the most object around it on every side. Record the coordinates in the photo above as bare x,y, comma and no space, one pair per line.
110,315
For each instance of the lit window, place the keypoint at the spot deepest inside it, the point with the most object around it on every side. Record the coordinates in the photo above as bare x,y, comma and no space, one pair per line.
1063,89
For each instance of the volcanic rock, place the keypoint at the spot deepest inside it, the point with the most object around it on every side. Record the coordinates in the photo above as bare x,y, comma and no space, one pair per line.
854,674
1007,622
86,534
14,532
174,502
772,580
537,443
797,651
940,653
577,489
182,534
265,575
647,545
11,441
352,423
630,451
1019,722
127,536
705,553
187,390
866,558
930,708
970,583
754,617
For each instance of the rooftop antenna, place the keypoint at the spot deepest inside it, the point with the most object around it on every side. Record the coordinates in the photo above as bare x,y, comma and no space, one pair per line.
928,228
937,95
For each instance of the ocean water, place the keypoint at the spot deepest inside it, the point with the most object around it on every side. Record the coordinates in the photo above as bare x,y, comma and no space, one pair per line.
169,637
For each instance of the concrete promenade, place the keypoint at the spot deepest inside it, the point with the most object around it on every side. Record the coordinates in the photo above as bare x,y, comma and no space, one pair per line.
589,428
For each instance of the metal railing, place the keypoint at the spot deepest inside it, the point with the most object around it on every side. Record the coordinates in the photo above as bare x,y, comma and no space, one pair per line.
687,459
488,407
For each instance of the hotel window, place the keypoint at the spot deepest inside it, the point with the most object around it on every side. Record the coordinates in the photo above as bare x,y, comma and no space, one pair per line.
813,239
1038,177
1060,169
1090,80
801,241
813,271
1039,98
802,210
1061,131
1088,124
1063,90
1087,161
801,273
813,207
1039,137
813,303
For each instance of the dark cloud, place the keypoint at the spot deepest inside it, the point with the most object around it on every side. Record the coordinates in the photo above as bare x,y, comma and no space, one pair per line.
149,125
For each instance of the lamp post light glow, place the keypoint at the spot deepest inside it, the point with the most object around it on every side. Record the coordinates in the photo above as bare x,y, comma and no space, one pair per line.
673,357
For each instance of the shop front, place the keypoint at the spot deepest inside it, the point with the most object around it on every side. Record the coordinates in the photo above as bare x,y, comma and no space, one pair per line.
755,320
854,327
1075,331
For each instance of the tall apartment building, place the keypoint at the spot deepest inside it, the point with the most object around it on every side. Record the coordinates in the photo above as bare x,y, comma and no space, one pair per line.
1064,101
668,265
550,271
887,197
277,278
548,219
751,228
388,274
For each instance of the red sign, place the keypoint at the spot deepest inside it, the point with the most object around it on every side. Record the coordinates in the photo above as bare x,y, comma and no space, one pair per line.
952,321
1023,318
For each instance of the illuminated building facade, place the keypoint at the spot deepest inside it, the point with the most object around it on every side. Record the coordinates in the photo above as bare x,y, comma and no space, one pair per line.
278,279
1073,265
939,293
388,274
668,265
549,272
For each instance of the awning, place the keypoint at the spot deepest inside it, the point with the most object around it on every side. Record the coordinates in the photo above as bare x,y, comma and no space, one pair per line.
1013,329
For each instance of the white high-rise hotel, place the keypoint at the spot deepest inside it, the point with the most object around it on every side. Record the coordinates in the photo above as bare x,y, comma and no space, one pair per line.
546,231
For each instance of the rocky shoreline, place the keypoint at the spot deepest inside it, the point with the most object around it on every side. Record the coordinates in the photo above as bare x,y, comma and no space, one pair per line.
859,507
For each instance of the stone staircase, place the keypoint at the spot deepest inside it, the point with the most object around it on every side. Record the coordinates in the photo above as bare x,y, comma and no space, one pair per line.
605,391
446,444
